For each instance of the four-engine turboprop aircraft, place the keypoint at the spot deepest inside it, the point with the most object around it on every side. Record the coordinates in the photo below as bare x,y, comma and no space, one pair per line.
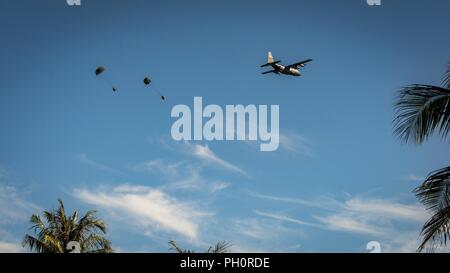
292,69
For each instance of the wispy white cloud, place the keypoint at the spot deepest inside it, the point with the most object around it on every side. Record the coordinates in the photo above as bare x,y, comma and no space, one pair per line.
322,202
261,229
8,247
413,178
160,166
204,153
152,209
288,141
83,158
181,175
374,206
282,217
13,206
372,216
296,143
201,152
15,210
351,223
280,198
382,208
401,242
259,234
406,242
383,219
196,182
219,186
334,222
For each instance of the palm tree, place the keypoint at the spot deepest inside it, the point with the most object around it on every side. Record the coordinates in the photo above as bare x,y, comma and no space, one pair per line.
420,111
220,247
56,231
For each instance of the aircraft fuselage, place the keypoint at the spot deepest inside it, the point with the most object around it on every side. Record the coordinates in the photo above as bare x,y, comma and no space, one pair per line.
287,71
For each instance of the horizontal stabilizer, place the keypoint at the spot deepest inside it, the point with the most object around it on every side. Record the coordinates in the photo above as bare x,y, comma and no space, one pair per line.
268,64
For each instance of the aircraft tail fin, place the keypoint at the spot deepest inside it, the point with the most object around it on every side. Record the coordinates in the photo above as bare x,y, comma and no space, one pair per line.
269,57
270,60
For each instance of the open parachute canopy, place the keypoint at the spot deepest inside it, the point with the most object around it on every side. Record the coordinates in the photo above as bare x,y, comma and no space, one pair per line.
99,70
147,81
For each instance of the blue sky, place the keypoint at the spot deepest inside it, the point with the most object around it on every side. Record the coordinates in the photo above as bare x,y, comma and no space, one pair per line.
339,179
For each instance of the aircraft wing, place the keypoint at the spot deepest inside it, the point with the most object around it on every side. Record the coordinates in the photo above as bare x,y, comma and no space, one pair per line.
272,63
296,65
271,71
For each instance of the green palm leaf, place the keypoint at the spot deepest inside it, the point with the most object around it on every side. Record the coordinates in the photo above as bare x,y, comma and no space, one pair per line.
57,229
95,243
220,247
176,249
434,194
34,244
421,109
437,230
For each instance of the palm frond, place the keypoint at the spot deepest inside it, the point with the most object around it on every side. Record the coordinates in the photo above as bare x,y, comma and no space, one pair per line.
50,218
94,225
176,249
96,244
54,244
89,223
61,213
34,244
436,231
220,247
37,224
434,193
420,110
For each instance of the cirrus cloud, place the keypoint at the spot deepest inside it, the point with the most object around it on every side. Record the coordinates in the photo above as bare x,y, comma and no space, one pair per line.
150,208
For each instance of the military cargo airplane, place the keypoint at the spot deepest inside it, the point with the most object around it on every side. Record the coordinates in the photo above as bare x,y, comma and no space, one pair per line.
292,69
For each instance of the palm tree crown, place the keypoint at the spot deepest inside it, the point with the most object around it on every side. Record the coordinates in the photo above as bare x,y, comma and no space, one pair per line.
420,111
56,231
220,247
